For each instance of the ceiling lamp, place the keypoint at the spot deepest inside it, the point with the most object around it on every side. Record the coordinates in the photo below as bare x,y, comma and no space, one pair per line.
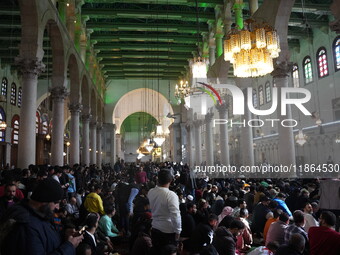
199,68
159,137
300,138
3,125
252,50
182,90
149,146
140,155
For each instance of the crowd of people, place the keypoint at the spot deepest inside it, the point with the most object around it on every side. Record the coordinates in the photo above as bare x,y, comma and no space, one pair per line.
159,209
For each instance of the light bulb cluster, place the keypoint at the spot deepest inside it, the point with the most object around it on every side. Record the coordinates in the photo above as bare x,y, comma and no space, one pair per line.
182,89
252,50
199,68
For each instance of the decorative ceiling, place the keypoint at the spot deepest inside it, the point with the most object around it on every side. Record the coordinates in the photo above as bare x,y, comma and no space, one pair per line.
151,39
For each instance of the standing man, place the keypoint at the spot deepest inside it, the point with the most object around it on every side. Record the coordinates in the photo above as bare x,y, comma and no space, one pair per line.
166,217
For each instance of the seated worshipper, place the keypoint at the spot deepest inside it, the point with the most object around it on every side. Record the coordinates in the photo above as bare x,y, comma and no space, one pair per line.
143,243
202,213
72,208
9,198
188,223
324,240
203,234
33,232
225,212
91,237
261,213
276,231
297,228
18,192
310,220
106,225
295,246
84,249
245,240
93,202
270,249
280,199
225,238
240,204
276,214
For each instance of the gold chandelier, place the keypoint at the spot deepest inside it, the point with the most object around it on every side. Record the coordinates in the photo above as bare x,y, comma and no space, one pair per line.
252,50
182,90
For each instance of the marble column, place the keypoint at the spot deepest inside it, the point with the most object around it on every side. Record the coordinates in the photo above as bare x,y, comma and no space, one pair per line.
184,143
93,142
118,150
75,110
209,140
99,145
286,137
177,156
58,95
113,144
86,139
224,136
30,69
212,49
198,142
219,44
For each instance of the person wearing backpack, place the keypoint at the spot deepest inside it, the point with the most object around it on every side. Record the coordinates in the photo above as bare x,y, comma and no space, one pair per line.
31,231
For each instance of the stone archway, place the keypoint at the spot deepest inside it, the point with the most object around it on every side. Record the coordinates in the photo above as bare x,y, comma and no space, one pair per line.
142,100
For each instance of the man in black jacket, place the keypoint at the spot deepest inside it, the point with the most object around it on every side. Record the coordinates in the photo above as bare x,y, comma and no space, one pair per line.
31,231
203,234
225,238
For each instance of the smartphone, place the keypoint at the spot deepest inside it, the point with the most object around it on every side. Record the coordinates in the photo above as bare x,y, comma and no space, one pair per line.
82,230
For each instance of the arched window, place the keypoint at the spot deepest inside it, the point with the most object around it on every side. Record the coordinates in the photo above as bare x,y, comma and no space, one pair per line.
2,118
321,56
336,53
268,92
13,94
15,129
261,95
37,122
295,74
307,69
19,96
44,119
255,103
4,85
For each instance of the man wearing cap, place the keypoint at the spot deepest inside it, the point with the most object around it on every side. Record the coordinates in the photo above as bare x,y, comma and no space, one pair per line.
32,232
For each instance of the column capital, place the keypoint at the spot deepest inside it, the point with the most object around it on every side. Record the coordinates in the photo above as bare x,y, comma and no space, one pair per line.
59,93
222,108
99,126
86,117
282,69
209,116
75,107
32,66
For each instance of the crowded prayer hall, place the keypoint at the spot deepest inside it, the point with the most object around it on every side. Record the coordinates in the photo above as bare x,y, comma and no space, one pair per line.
169,127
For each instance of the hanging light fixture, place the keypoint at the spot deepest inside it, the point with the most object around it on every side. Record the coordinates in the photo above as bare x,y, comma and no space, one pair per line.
159,137
301,138
252,50
199,64
182,90
3,125
149,145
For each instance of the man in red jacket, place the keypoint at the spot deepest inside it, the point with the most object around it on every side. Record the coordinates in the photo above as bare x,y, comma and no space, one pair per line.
324,240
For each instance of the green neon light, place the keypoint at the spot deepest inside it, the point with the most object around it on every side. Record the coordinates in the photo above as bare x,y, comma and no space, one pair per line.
209,93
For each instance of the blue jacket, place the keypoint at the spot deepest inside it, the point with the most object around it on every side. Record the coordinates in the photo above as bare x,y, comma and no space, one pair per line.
283,206
32,234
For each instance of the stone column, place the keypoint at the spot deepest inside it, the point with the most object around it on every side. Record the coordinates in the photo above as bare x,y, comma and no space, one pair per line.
219,44
30,69
190,147
209,140
93,142
198,142
119,146
86,139
58,95
253,6
184,143
224,136
99,145
177,156
286,137
238,13
113,144
212,49
228,18
75,109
